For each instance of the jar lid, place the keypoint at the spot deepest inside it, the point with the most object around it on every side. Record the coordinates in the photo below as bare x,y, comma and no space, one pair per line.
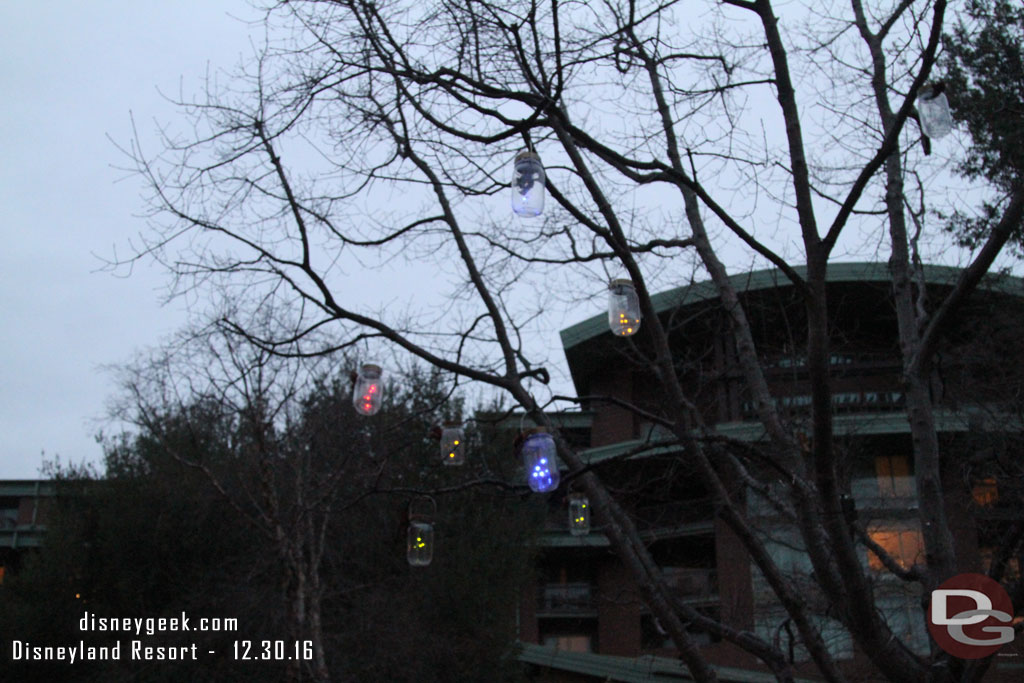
621,282
931,90
527,154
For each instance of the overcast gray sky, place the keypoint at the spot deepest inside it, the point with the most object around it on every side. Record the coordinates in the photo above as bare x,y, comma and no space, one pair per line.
70,74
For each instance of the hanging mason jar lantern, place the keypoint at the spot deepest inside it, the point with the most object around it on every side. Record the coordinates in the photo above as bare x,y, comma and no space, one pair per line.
579,514
933,109
367,392
453,444
527,185
420,538
623,308
538,453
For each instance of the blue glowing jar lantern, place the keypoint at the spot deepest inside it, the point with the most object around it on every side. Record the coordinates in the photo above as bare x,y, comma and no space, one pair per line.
539,459
623,308
527,185
579,514
933,108
453,444
367,392
420,538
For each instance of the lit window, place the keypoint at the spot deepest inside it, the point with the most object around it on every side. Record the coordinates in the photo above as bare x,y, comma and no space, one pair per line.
906,546
1012,569
893,473
985,492
569,643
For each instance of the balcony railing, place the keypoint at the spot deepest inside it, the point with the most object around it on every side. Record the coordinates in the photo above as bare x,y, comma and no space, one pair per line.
566,599
842,402
674,515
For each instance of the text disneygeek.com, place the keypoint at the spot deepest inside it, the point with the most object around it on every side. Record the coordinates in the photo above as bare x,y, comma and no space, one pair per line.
138,649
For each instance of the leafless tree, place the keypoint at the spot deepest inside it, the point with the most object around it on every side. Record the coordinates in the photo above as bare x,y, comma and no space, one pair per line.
285,491
376,133
318,491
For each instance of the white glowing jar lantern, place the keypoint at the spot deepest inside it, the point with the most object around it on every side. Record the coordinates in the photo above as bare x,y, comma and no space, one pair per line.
933,108
367,394
539,460
453,444
527,185
623,308
579,514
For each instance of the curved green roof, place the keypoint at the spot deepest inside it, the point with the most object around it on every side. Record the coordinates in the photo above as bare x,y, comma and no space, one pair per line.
772,277
642,669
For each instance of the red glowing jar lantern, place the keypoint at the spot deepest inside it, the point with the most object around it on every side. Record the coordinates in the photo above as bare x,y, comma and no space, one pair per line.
367,394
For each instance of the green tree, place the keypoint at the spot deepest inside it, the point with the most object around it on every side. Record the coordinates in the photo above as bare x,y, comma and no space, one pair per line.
295,529
983,62
148,540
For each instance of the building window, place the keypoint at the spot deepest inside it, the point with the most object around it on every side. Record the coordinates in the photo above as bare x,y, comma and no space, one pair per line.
569,635
775,626
1012,570
904,545
654,637
570,643
893,474
985,492
556,599
9,512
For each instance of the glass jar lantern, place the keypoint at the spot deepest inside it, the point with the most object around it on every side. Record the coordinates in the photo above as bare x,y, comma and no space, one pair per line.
933,108
453,444
538,453
420,536
579,514
623,308
527,185
367,392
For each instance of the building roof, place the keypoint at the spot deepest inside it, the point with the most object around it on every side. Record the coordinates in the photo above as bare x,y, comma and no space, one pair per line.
12,534
861,424
645,669
26,487
772,278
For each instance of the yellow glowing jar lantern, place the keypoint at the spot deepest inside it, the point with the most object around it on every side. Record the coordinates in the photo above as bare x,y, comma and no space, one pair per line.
623,308
528,185
367,394
579,514
453,444
420,537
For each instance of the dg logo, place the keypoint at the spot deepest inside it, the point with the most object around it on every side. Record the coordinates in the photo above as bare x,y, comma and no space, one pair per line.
970,616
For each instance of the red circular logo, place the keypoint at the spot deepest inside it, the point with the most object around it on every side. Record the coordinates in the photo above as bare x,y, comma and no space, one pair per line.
970,616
